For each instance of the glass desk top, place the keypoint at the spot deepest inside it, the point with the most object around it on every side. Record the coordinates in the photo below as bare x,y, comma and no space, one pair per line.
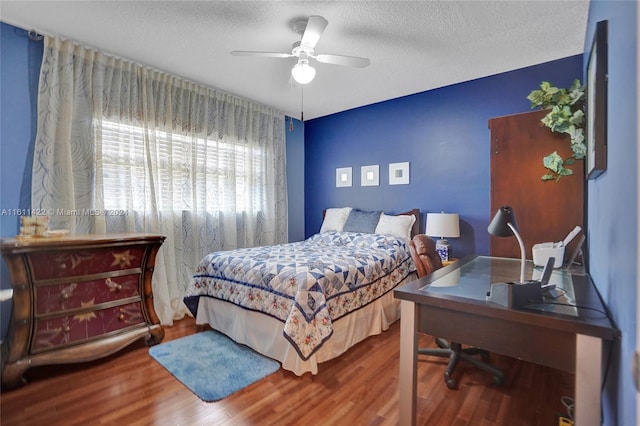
473,280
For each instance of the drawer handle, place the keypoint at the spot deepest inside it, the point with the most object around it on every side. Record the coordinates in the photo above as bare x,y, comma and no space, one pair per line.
66,329
62,266
64,296
121,317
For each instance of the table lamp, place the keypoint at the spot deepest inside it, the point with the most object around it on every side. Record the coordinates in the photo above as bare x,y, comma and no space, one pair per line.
443,225
512,295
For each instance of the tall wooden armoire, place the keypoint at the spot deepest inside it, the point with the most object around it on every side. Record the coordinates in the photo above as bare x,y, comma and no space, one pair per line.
545,211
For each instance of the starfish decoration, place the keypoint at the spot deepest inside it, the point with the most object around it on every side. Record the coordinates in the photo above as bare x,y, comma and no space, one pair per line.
122,259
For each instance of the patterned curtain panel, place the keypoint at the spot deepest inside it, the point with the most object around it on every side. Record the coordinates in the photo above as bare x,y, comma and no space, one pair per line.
124,148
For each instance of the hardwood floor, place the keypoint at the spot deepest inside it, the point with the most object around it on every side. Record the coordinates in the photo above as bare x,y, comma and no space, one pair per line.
359,388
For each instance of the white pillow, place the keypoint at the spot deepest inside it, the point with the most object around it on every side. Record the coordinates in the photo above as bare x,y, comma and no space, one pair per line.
334,219
398,226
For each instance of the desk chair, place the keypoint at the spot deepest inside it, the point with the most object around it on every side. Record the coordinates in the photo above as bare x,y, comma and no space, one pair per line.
427,260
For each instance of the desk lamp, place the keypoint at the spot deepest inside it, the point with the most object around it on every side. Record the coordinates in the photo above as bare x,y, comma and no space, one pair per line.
512,295
443,225
504,225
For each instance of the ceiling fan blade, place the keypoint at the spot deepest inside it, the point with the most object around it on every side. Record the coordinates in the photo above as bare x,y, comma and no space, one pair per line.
350,61
261,54
313,31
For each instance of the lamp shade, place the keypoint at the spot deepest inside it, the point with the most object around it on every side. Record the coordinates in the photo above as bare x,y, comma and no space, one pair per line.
498,226
443,225
302,72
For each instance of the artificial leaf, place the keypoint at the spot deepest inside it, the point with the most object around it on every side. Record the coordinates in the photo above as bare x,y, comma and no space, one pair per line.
548,88
577,117
553,162
536,98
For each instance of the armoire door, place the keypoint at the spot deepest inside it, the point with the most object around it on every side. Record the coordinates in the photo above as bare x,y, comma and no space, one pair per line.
545,211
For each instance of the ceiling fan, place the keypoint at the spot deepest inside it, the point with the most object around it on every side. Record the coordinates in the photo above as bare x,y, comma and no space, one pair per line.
310,29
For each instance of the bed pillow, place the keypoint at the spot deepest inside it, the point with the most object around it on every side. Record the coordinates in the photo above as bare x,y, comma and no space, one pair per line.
398,226
334,219
361,221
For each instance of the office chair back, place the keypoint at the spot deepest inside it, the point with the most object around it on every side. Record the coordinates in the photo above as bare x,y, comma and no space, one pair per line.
423,252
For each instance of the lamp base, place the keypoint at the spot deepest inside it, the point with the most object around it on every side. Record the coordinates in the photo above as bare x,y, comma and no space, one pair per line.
444,249
515,295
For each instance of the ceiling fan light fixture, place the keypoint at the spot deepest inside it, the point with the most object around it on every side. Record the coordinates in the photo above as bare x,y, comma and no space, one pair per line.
310,30
302,72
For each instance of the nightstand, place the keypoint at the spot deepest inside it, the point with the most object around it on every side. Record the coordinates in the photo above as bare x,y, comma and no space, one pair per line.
77,298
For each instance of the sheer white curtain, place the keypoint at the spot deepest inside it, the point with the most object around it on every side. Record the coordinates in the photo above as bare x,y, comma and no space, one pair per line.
124,148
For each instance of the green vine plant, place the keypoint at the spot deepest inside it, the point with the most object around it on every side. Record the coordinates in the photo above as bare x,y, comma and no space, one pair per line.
566,116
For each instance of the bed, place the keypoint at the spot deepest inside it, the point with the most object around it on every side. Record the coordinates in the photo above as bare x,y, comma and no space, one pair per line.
307,302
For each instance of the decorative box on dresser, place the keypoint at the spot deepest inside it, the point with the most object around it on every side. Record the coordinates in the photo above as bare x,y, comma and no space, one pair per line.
77,298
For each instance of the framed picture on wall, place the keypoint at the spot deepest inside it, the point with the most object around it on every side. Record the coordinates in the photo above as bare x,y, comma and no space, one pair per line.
369,175
596,130
399,173
343,177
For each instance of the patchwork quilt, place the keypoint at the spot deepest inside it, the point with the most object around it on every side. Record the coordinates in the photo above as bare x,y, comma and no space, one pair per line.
308,284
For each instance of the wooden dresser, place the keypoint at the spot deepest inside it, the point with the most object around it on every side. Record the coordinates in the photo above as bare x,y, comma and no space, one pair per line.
77,298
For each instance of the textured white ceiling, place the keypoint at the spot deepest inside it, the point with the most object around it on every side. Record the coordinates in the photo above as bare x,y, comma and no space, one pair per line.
413,45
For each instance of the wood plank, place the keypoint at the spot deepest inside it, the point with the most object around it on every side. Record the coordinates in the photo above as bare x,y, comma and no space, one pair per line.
359,388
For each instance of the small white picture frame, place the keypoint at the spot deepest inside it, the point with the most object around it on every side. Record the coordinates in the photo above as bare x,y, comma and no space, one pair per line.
370,175
399,173
343,177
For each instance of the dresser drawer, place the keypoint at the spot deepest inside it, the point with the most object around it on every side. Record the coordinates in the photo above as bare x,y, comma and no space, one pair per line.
55,332
76,263
82,294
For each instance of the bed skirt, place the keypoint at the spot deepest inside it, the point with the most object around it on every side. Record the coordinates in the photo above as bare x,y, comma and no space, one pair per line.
264,334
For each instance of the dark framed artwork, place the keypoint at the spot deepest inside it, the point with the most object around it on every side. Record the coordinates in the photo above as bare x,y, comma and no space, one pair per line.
596,130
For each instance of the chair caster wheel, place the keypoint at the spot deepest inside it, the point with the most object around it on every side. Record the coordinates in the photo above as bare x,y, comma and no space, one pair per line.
451,383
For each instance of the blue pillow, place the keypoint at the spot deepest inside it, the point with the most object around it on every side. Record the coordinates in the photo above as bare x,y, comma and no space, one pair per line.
361,221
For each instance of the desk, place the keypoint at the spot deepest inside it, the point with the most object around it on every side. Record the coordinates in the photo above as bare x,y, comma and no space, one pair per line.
451,303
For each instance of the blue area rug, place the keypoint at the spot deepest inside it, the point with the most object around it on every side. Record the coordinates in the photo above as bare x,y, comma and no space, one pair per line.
212,365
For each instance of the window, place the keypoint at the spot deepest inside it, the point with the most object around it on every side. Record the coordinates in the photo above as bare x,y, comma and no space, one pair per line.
189,173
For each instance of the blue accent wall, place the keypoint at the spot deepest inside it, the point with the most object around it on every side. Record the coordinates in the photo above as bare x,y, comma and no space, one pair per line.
612,203
295,185
443,133
20,60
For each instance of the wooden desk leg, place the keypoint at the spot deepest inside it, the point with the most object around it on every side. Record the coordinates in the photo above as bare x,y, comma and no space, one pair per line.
588,380
408,362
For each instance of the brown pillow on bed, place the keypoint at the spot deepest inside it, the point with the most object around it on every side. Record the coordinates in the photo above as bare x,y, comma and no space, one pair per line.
361,221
